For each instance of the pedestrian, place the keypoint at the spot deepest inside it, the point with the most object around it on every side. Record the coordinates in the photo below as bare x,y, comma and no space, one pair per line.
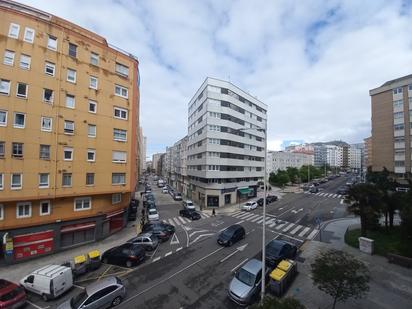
213,212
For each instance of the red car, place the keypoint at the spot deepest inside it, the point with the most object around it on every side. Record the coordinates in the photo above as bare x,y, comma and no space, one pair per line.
11,295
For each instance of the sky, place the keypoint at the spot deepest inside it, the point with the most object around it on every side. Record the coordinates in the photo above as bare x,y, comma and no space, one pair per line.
312,62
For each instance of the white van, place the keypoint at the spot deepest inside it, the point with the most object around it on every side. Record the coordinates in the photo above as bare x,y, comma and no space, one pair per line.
49,281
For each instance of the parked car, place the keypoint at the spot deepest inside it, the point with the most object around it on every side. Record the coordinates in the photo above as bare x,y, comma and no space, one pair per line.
160,229
127,254
49,282
188,204
165,190
105,293
315,183
342,190
313,189
177,196
11,295
150,205
191,214
249,206
147,240
260,201
152,214
246,284
271,198
277,250
232,234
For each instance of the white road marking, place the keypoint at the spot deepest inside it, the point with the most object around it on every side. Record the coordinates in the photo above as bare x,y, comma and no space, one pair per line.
312,234
237,213
79,286
181,219
281,225
169,253
171,222
241,248
286,235
248,215
257,218
335,196
293,232
156,259
241,263
177,221
339,195
203,235
241,221
305,230
195,232
252,217
270,221
174,240
206,215
242,213
178,249
288,227
341,201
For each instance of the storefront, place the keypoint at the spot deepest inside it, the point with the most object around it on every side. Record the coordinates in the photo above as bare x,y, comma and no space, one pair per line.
116,221
75,234
33,244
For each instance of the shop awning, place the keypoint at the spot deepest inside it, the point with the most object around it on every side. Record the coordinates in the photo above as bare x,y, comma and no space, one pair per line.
244,190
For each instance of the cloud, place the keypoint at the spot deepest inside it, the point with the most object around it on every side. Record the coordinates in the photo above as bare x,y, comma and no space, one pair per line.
313,62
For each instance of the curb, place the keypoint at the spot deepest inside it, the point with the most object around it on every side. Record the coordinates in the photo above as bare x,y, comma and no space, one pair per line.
323,225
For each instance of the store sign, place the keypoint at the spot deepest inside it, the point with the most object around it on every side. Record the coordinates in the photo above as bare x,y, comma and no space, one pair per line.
8,242
228,190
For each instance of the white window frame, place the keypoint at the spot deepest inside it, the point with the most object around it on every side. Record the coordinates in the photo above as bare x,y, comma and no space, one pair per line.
118,91
94,57
117,138
93,78
8,83
4,124
25,62
18,126
51,98
12,187
41,210
71,132
8,58
89,151
19,148
1,181
12,33
51,38
70,99
18,205
43,128
117,156
71,180
92,103
44,185
40,152
21,95
50,65
68,150
88,131
122,69
120,110
82,200
29,34
1,212
71,76
116,198
119,183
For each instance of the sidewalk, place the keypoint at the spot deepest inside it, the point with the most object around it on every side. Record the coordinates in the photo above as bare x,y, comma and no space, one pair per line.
390,285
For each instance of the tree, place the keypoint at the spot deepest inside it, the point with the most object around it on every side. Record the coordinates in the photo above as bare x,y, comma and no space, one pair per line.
293,173
280,179
279,303
340,275
365,199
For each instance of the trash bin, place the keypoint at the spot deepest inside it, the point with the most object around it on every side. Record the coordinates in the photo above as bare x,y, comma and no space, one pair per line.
93,260
282,276
80,265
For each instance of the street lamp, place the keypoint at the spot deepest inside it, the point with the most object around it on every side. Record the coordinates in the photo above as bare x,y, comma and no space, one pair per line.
262,290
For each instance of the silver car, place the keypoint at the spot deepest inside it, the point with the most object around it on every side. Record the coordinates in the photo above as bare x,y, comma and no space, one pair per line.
147,240
246,283
108,292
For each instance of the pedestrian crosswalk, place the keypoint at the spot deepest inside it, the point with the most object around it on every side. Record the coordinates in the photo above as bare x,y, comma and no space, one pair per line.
177,221
326,194
280,226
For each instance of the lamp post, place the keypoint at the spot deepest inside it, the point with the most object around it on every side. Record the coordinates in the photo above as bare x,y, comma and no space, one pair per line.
262,290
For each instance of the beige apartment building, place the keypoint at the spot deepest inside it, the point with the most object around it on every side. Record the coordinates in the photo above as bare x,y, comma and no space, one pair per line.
391,127
69,110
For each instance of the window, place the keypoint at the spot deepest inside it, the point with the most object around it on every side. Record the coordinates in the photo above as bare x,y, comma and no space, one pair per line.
397,90
120,113
120,135
121,91
72,50
3,118
118,178
8,57
28,35
23,210
398,115
70,101
2,149
45,152
397,103
399,127
22,90
49,68
119,156
51,42
67,179
94,59
89,179
4,86
71,76
68,154
92,106
17,150
43,180
91,130
14,31
93,82
48,95
116,198
1,181
19,120
122,69
46,124
1,210
16,181
69,127
82,203
45,208
91,155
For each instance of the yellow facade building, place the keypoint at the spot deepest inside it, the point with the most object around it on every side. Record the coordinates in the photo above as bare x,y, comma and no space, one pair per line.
69,110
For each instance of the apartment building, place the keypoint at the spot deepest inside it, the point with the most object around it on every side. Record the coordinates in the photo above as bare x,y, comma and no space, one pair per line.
226,144
69,108
180,165
155,162
281,160
391,126
356,153
367,157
